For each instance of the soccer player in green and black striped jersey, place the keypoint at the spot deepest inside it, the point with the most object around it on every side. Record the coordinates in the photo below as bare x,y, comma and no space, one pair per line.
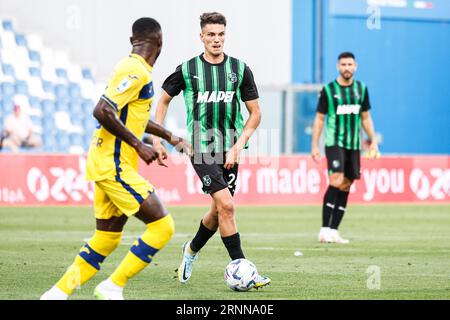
345,103
214,84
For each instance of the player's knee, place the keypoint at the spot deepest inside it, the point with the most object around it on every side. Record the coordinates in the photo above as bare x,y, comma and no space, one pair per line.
336,180
212,214
164,227
105,242
226,209
346,185
101,245
168,227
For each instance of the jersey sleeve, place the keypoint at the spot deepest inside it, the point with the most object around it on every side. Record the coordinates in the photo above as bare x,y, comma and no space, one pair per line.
124,87
366,102
174,83
322,105
248,88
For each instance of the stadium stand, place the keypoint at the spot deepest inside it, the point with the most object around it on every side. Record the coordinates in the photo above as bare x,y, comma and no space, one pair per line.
58,94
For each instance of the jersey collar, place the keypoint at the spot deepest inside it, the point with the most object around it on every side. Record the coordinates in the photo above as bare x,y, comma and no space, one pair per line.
225,57
142,60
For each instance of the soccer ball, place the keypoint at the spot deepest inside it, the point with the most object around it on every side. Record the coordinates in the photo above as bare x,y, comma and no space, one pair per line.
240,275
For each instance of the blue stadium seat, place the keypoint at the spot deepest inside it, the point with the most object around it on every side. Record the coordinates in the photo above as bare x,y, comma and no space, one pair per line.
87,139
74,90
48,86
62,106
48,107
75,109
21,87
34,56
49,141
76,139
63,141
61,91
88,105
8,70
8,89
7,25
48,126
21,40
87,74
35,102
7,105
90,125
37,120
35,72
61,73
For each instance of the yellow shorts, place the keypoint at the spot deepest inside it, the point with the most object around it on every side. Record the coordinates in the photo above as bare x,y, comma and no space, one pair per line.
115,197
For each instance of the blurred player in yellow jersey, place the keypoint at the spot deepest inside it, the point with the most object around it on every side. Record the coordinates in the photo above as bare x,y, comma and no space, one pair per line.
123,114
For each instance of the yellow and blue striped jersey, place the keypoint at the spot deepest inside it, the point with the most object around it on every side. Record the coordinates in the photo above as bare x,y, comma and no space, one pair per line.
130,94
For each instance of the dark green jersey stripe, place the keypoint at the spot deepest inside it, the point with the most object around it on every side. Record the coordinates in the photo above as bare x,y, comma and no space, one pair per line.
234,69
200,72
215,128
228,109
356,118
189,96
239,118
209,128
348,120
331,119
221,76
339,118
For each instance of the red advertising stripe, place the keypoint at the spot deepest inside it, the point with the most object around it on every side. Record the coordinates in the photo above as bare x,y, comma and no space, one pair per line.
286,180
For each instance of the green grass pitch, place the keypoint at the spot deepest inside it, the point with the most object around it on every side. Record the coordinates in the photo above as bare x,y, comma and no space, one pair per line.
408,244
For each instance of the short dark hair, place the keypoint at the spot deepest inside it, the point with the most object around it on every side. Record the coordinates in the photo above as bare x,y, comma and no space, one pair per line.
346,54
145,26
212,18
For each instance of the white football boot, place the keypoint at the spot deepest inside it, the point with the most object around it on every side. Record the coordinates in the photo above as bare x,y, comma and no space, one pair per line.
336,238
185,268
54,293
261,281
325,235
108,290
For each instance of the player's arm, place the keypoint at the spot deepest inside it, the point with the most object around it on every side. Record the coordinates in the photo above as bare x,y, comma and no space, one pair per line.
157,131
161,111
367,124
107,117
172,86
316,132
322,110
250,96
252,123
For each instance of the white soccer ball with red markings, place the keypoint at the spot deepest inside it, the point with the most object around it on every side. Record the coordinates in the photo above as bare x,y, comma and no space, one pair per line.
240,275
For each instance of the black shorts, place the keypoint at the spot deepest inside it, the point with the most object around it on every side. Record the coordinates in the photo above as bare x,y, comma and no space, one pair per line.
344,160
212,173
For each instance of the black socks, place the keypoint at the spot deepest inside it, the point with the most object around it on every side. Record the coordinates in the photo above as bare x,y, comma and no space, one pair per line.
329,200
339,209
233,245
201,238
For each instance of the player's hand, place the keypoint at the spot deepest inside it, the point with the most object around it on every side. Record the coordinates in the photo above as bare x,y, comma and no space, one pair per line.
315,154
232,158
147,153
162,152
185,147
374,153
